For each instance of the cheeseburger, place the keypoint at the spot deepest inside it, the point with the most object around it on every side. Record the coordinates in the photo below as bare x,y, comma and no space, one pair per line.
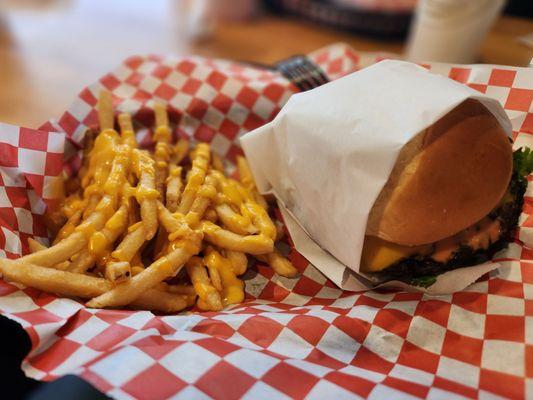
452,200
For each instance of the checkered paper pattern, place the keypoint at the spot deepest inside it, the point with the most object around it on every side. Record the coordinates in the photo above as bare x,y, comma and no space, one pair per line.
292,338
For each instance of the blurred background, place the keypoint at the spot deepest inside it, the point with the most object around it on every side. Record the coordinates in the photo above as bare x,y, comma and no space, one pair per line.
51,49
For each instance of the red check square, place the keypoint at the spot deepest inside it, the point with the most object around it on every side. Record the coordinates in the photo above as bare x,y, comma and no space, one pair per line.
502,77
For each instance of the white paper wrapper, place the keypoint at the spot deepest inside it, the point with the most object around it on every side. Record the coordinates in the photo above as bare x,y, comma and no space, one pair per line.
329,152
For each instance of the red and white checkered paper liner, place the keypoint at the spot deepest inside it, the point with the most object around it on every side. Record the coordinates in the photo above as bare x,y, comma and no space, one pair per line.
292,338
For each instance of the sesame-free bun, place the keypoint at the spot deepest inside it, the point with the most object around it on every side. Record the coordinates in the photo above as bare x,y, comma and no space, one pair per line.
445,179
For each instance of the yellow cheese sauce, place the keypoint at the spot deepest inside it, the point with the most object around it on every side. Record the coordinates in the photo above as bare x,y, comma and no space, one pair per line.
379,254
232,287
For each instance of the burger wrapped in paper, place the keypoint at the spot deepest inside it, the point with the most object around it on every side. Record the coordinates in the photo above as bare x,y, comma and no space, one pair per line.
394,172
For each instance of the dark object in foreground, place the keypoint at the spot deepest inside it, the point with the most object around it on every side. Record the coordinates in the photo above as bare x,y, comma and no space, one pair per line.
15,385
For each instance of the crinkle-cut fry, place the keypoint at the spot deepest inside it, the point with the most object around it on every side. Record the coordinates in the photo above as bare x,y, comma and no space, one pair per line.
117,271
235,222
105,110
74,243
79,285
217,162
131,243
251,244
146,194
174,186
238,260
195,178
162,152
232,287
126,130
158,271
247,179
180,150
280,264
202,285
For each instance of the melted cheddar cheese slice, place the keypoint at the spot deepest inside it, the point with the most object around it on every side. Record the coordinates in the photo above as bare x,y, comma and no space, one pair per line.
379,254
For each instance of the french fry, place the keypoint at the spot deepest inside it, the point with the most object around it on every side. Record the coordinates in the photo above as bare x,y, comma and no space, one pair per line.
211,215
174,186
101,241
88,142
232,287
117,271
238,261
280,264
261,219
161,301
207,293
146,192
69,226
195,177
247,179
205,195
214,275
218,164
71,245
82,262
235,222
180,151
186,290
251,244
158,271
35,246
136,270
105,110
163,150
124,196
131,243
126,130
174,224
84,286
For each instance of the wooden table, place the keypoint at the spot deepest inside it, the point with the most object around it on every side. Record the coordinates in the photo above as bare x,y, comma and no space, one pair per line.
50,49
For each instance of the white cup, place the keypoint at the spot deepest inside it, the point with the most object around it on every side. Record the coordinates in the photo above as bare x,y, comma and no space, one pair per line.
451,30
